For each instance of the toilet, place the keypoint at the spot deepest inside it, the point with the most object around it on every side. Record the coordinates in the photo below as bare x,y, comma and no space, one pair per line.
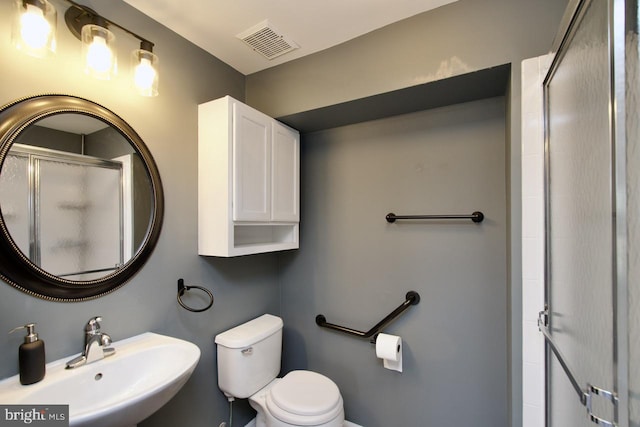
248,366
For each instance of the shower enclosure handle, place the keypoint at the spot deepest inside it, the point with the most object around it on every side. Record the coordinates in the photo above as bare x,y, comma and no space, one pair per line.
605,394
585,396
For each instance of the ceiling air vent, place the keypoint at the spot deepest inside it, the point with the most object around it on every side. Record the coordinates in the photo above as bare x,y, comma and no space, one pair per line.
267,41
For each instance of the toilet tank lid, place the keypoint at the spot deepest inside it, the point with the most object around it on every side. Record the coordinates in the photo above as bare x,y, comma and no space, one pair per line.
251,332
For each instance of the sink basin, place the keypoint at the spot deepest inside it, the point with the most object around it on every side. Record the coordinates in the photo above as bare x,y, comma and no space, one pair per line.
121,390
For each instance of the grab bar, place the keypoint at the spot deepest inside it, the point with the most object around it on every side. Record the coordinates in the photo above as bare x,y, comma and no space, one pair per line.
585,396
412,298
477,216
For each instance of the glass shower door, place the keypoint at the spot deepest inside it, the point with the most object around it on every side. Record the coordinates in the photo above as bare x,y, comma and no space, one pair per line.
586,239
14,193
66,212
79,225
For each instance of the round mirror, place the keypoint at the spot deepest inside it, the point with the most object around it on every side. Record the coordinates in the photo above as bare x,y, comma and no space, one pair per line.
81,201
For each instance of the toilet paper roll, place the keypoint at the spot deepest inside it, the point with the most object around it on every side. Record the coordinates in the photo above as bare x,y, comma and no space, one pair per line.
389,349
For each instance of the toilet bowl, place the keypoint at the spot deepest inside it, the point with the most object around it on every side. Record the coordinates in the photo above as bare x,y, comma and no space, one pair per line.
248,365
300,398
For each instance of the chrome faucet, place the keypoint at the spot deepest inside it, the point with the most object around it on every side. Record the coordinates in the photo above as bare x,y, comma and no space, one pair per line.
96,345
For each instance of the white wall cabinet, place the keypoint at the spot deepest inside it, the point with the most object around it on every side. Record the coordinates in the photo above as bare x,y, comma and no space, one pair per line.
248,181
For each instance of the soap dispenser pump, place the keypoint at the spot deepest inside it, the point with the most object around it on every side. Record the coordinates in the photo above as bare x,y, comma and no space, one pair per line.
31,358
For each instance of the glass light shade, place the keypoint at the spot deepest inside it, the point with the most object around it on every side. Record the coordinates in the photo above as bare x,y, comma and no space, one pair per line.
145,72
98,50
34,27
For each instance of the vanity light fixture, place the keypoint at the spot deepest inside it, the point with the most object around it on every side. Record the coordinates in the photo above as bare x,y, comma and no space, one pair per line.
34,27
99,49
34,31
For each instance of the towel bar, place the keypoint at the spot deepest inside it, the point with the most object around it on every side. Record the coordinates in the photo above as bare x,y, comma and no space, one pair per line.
477,217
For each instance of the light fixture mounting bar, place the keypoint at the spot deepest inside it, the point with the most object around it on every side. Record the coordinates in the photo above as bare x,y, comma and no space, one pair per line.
78,16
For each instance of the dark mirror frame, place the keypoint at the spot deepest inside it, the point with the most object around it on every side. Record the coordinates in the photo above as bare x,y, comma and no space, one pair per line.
15,268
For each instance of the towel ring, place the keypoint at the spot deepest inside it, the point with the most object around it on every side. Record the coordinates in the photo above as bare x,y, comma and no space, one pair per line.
181,290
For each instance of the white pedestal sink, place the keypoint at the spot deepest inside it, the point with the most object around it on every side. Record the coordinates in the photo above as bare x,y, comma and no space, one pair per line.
119,391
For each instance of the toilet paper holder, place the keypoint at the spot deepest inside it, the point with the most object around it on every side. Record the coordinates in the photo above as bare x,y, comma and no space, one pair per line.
412,298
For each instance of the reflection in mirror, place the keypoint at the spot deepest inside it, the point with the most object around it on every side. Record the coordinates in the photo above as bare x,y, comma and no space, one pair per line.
75,196
81,201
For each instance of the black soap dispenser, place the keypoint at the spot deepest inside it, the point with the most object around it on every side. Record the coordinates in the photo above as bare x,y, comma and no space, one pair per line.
31,356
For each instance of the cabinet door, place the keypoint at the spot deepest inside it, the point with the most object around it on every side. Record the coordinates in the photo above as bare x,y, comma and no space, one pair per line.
251,164
285,179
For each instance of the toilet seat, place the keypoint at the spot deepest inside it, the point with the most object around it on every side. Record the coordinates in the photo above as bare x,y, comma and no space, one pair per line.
304,398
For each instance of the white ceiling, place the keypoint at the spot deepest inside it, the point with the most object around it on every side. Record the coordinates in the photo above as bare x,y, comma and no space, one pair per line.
73,123
313,25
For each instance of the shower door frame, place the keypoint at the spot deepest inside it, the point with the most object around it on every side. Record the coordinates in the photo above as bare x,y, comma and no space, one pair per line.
36,154
617,28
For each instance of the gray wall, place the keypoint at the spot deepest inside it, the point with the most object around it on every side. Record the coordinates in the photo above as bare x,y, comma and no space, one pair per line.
461,37
50,138
243,288
355,268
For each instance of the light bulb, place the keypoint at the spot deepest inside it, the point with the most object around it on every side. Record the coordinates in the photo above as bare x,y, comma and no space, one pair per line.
145,70
99,55
145,74
98,50
34,28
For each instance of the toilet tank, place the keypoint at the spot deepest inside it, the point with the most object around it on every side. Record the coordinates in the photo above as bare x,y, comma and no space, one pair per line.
249,356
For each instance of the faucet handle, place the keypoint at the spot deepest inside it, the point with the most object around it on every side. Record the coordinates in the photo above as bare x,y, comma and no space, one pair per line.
93,325
105,340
